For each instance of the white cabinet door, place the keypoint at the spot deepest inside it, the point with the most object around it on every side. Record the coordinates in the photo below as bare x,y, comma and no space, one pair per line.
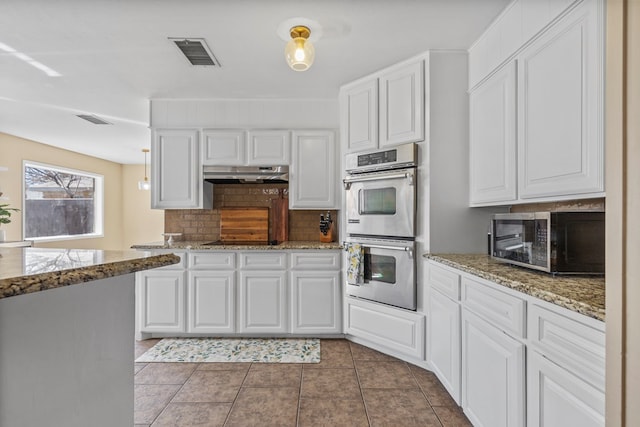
557,398
315,302
223,147
176,174
492,134
161,301
263,302
313,180
359,115
211,302
560,108
268,147
443,341
401,106
493,375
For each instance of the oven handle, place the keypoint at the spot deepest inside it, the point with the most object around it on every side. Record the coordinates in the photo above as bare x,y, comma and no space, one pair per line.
392,248
378,177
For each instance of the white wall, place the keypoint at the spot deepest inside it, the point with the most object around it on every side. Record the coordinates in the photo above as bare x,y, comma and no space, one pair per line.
245,113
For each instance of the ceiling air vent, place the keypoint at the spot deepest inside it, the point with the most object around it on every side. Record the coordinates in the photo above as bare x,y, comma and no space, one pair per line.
94,119
196,51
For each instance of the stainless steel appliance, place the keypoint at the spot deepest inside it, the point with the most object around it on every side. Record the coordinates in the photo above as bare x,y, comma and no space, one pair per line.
246,174
381,192
555,242
388,272
380,189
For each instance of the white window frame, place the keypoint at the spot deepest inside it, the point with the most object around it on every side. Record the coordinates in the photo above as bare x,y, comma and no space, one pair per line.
98,200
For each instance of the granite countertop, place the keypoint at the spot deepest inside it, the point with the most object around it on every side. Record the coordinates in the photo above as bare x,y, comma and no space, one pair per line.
200,246
28,270
582,294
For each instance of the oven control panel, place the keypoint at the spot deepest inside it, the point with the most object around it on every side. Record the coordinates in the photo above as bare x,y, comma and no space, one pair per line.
400,156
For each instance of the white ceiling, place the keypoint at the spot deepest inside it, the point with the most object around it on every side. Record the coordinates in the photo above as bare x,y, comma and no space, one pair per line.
114,55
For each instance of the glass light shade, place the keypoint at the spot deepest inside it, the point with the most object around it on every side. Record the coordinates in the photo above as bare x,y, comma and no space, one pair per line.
144,185
299,53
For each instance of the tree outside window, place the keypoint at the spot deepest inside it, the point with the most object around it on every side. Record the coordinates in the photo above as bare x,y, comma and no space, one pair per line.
61,203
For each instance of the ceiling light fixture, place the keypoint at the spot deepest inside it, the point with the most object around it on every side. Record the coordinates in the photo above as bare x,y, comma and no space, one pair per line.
299,51
145,185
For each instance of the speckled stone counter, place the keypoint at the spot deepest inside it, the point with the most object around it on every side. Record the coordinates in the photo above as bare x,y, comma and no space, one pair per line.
28,270
582,294
202,246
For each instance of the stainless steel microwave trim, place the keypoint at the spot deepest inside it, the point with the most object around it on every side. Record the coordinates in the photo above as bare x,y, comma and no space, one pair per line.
396,157
378,177
248,174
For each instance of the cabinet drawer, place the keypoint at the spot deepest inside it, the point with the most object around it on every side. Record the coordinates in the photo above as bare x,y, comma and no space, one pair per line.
577,346
325,260
505,311
263,260
212,260
446,281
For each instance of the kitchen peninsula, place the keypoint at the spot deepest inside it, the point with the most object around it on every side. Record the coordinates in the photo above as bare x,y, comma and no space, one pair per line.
66,335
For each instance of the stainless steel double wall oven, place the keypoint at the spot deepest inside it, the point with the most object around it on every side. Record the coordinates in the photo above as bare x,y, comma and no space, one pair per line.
380,215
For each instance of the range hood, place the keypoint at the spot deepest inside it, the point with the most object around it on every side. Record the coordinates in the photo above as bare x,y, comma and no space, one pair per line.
246,174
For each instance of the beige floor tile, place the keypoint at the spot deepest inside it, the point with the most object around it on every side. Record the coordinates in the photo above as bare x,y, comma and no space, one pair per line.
193,414
165,373
399,407
361,352
224,366
332,412
333,354
273,375
384,375
211,386
265,406
142,346
451,417
432,387
137,367
330,384
150,400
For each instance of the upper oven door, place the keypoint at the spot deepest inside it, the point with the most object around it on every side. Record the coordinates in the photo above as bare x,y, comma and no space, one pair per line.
381,203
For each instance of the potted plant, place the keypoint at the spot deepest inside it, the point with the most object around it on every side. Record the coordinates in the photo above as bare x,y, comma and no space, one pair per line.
5,217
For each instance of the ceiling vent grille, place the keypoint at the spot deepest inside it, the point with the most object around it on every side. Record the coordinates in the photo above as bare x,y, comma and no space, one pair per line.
196,51
94,119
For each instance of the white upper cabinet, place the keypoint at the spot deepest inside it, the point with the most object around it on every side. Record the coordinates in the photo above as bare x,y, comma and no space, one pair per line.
234,147
313,178
552,98
176,174
560,109
359,111
268,147
492,145
401,106
223,147
386,108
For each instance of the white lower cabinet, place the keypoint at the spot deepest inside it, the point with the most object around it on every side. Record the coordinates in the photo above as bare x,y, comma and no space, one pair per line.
401,331
211,302
263,302
443,341
161,302
315,302
558,398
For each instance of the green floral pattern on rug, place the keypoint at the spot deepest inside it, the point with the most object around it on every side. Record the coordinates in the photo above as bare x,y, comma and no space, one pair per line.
265,350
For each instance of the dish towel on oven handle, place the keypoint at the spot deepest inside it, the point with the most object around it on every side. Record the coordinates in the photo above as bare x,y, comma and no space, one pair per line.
355,268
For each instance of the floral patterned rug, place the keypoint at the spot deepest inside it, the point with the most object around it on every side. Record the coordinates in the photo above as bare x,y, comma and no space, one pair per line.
265,350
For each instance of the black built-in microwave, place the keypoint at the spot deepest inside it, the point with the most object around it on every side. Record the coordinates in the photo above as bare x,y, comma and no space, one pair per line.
555,242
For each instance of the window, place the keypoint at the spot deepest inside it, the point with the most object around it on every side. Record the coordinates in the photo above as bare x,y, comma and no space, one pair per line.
61,203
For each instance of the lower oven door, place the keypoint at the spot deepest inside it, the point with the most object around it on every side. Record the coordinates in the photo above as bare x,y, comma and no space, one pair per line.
381,203
388,273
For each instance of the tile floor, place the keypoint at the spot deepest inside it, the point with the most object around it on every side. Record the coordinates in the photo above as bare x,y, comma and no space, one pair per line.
352,386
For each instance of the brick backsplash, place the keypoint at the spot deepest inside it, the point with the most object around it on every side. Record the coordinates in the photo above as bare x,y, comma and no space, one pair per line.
204,224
